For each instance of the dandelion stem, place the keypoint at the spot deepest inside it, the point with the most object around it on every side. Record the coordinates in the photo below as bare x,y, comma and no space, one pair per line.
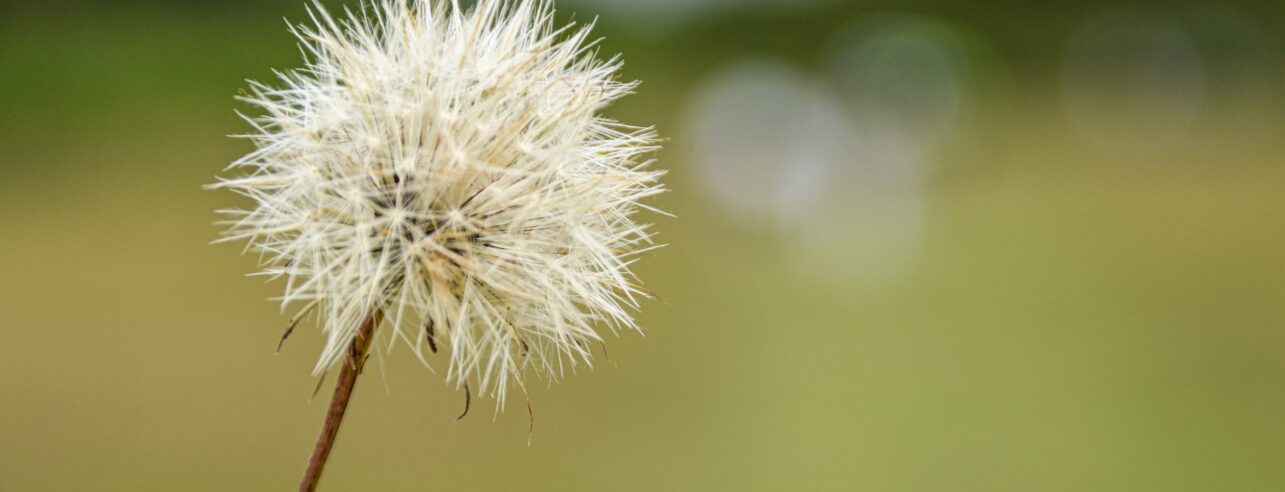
339,403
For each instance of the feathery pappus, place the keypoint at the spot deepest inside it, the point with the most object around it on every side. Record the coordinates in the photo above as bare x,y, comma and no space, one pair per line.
445,174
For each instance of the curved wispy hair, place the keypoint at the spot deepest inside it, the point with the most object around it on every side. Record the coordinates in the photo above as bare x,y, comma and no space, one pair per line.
446,171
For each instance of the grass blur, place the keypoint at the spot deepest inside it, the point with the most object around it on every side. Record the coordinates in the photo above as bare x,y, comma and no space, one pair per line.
1076,317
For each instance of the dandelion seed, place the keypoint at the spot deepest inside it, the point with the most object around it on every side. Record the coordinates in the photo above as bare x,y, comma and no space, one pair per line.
441,177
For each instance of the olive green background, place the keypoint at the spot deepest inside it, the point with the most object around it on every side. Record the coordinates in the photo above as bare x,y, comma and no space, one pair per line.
1073,317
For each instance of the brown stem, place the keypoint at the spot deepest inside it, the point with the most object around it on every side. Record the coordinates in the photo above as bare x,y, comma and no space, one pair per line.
339,403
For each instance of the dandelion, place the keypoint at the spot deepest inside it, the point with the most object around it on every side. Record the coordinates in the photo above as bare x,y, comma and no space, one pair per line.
440,178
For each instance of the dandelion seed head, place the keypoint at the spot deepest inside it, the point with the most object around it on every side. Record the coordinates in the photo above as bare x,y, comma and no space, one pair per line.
449,169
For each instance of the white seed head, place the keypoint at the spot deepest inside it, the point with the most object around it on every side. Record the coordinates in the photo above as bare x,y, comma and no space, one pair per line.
447,168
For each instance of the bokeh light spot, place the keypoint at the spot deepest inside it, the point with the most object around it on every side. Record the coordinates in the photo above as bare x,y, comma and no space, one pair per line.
765,136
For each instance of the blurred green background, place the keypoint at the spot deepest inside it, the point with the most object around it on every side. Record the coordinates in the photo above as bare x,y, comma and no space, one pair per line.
920,245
